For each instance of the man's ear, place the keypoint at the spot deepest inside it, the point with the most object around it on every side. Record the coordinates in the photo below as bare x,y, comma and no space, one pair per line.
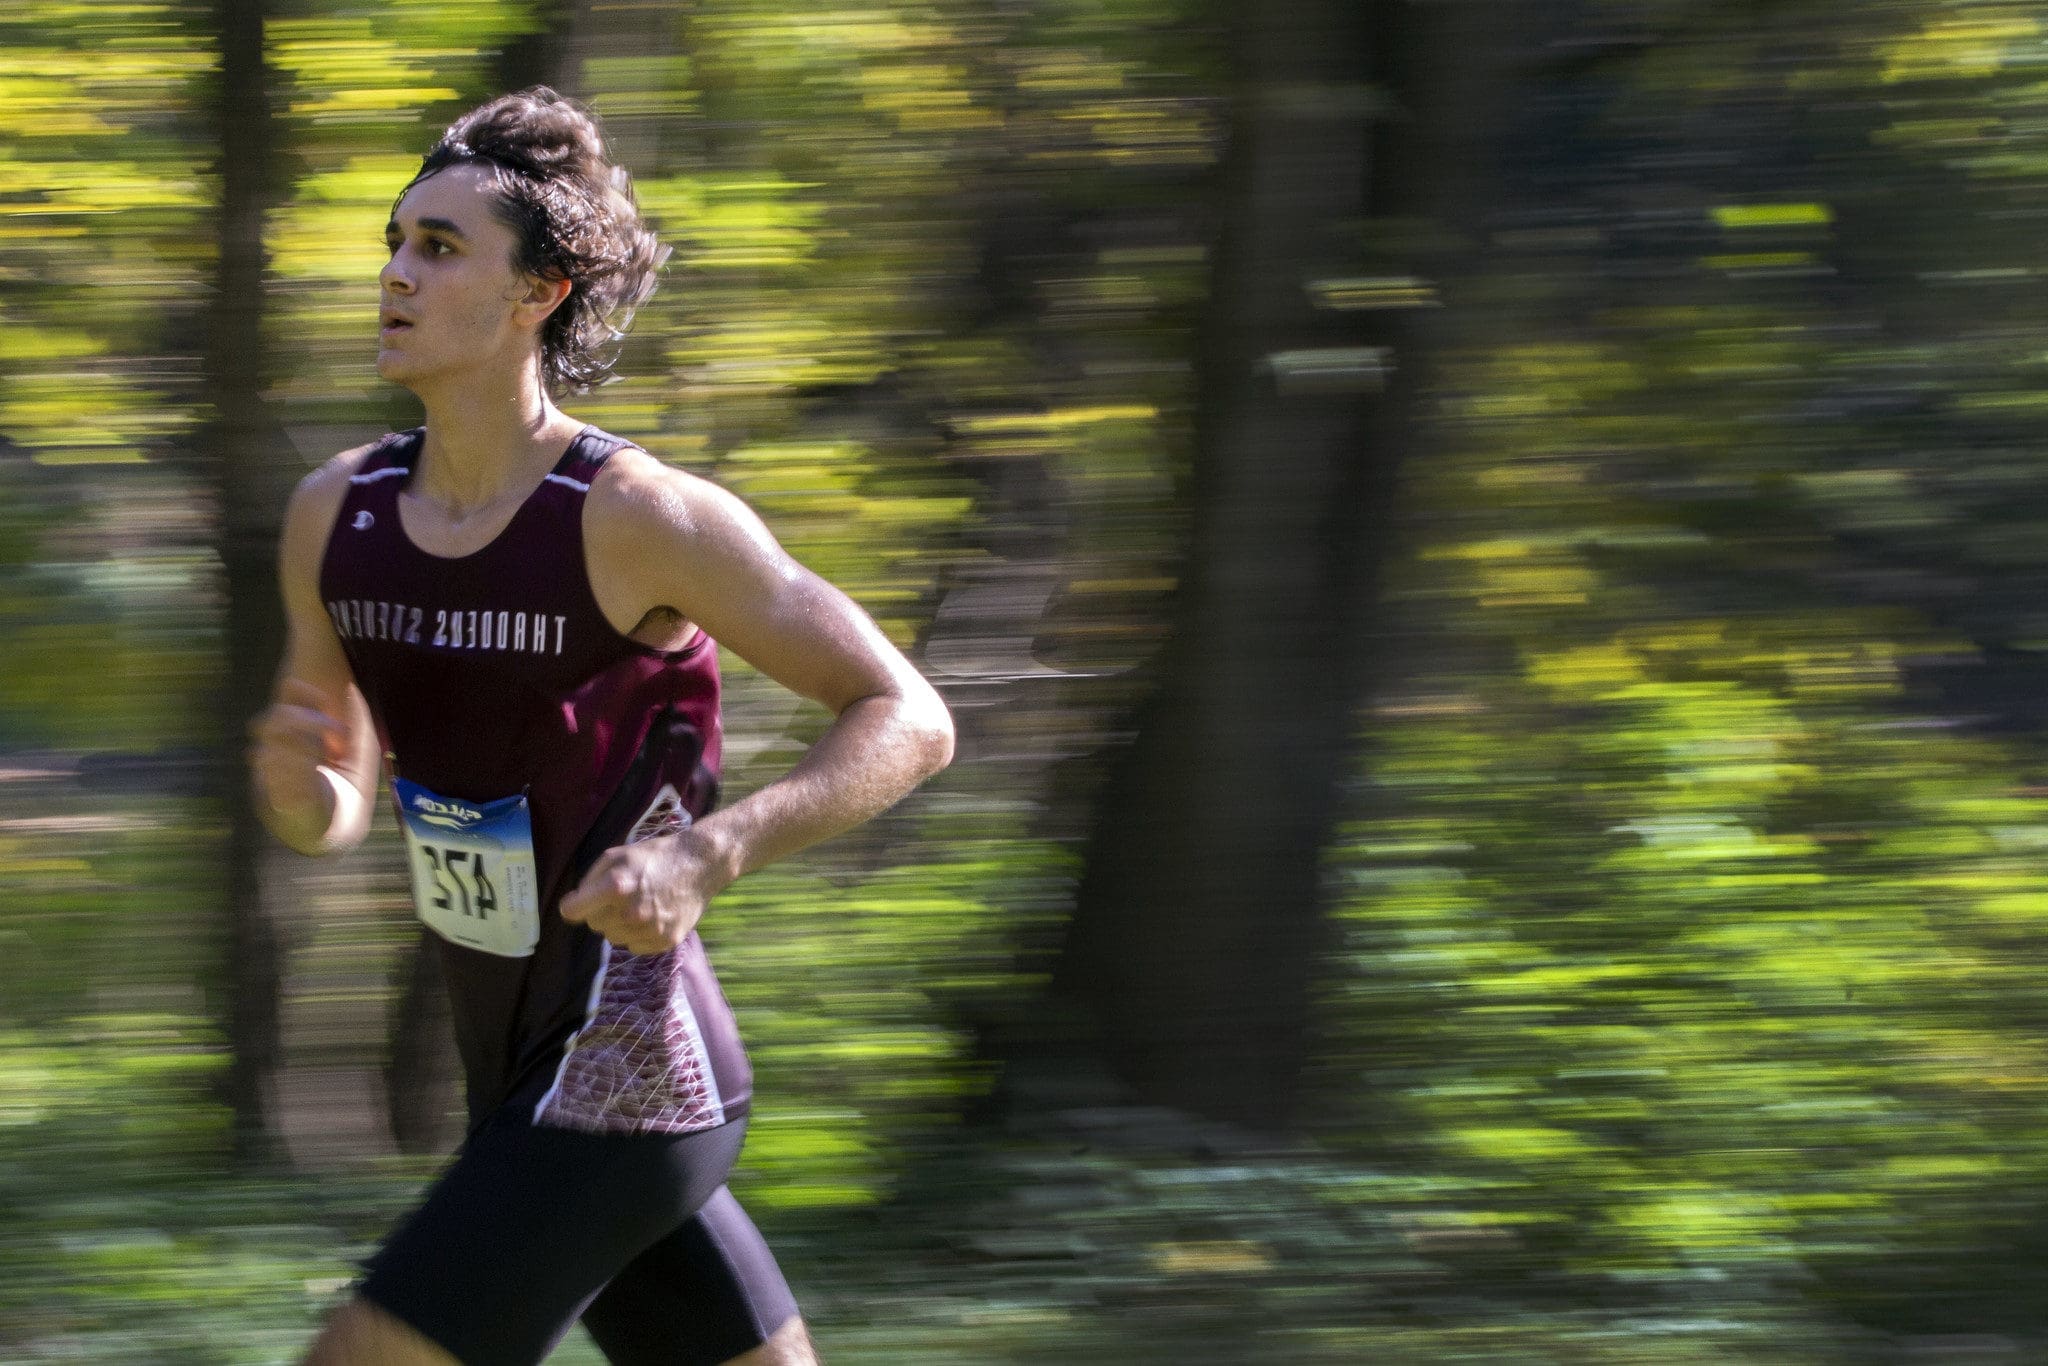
543,296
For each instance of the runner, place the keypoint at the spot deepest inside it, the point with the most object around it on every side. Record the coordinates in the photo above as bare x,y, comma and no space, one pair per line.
516,612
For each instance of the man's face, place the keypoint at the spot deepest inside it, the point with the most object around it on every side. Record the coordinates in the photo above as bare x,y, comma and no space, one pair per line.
450,294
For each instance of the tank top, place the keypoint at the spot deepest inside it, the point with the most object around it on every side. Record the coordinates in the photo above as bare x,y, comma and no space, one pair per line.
496,675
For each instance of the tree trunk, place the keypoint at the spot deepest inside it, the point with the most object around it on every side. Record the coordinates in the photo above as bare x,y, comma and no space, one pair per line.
1199,916
547,54
243,441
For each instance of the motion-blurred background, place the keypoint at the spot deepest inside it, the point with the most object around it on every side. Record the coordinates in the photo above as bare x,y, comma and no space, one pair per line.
1488,556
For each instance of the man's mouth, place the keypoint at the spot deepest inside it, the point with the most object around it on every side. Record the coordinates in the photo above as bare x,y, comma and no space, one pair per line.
389,322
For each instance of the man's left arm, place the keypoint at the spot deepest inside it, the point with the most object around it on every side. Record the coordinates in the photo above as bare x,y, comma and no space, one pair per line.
684,543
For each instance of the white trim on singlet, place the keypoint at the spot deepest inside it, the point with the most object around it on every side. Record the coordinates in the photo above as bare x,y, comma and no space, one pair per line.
374,475
576,484
604,963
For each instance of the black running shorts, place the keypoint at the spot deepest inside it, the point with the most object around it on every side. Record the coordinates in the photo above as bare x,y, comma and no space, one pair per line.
531,1229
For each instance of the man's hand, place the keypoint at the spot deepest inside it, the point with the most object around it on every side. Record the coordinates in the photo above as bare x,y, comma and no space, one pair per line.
294,748
647,897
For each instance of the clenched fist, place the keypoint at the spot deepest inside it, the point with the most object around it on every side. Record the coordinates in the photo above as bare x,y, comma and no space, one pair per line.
647,897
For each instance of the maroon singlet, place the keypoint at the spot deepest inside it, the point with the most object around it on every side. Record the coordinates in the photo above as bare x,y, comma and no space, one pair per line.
495,674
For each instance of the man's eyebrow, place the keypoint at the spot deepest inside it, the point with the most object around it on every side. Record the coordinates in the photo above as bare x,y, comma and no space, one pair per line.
440,225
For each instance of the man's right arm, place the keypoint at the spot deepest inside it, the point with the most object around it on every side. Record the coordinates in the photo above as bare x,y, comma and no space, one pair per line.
313,753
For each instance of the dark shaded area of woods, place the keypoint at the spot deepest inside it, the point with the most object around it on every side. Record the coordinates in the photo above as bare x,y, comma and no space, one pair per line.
1486,557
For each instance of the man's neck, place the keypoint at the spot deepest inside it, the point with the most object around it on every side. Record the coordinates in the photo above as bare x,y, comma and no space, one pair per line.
487,442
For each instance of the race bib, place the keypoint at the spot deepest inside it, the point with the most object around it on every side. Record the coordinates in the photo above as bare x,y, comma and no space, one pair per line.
473,878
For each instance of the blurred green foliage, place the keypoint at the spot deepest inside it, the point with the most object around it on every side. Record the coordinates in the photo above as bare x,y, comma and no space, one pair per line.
1686,934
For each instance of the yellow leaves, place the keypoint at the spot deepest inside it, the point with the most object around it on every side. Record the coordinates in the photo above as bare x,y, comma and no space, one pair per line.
670,202
1056,419
1775,218
824,478
344,70
1959,48
1739,216
1069,71
95,452
728,236
793,472
776,350
21,344
2019,906
1855,669
886,63
1501,548
1522,571
37,107
1520,1143
41,188
1701,1217
1545,585
738,222
1560,980
892,513
1155,132
373,101
364,180
810,1160
923,97
79,417
38,865
1547,378
1591,670
330,243
96,91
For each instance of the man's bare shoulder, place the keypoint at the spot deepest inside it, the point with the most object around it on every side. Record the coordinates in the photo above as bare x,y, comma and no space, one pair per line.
317,499
660,536
638,495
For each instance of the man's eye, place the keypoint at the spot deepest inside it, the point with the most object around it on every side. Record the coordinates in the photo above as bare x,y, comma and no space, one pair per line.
437,247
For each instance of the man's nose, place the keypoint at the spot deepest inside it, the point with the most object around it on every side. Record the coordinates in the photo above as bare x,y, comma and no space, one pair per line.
393,277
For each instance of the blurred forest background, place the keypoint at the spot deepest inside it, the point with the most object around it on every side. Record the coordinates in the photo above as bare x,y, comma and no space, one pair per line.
1491,561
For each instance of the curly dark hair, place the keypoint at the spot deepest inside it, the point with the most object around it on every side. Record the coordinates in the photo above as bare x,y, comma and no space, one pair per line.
553,183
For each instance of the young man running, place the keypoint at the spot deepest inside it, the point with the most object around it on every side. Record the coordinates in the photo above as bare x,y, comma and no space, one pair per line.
516,612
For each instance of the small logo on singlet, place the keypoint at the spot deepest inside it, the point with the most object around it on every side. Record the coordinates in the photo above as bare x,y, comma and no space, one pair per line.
363,522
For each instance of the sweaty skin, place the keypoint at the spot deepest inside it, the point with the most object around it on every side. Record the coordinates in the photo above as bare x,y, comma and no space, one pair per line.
666,554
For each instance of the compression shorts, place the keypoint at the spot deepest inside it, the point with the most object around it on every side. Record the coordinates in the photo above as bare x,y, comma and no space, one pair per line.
531,1229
